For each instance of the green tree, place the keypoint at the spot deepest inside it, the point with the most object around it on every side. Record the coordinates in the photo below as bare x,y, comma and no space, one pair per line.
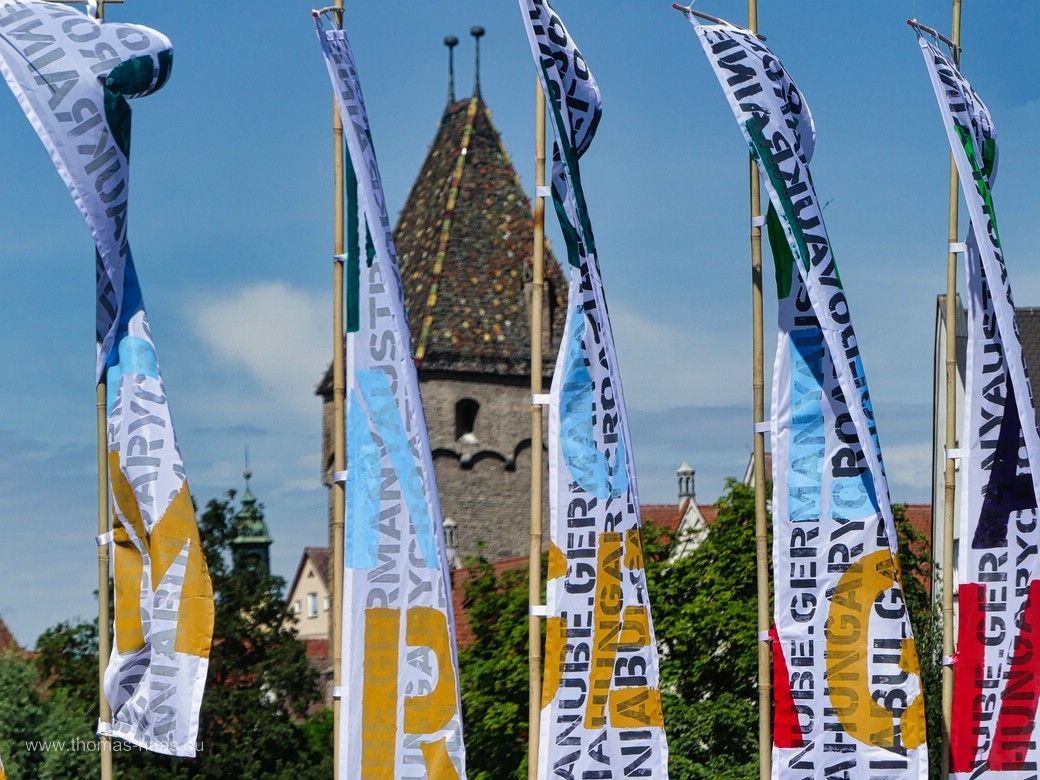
258,692
704,608
21,713
493,673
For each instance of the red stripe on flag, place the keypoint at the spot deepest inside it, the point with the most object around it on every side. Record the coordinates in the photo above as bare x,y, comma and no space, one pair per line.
967,677
787,731
1013,739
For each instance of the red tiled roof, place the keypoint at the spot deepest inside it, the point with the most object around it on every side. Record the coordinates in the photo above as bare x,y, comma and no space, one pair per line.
7,640
920,517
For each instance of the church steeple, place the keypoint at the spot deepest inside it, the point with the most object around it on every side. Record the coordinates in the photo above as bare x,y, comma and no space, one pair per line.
252,542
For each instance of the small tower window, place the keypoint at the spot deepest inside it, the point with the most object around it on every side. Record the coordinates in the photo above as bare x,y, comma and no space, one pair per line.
466,418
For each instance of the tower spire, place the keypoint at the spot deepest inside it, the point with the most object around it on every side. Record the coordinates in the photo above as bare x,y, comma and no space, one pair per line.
477,32
451,42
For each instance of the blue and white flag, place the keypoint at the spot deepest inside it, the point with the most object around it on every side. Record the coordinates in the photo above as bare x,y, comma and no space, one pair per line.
847,690
601,698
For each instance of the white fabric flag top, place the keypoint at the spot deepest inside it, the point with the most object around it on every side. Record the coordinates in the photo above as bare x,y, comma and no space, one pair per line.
401,711
848,697
72,76
601,700
996,668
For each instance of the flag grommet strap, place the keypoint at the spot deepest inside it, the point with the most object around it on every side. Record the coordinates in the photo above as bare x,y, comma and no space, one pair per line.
958,248
758,221
337,692
339,477
765,636
538,610
948,660
956,453
543,192
103,539
540,399
764,427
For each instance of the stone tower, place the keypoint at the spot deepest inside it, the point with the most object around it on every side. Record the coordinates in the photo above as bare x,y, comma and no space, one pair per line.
464,243
252,542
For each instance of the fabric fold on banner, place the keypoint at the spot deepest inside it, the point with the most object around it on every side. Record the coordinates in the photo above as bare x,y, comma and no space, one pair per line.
72,76
996,669
401,711
842,628
601,698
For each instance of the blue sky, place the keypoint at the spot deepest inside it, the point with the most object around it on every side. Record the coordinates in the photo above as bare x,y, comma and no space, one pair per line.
230,221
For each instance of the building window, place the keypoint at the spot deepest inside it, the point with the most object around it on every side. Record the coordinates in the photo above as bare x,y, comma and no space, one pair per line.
297,607
327,603
466,418
312,605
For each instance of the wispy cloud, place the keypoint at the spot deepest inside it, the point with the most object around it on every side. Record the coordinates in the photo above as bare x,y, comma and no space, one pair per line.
668,364
276,332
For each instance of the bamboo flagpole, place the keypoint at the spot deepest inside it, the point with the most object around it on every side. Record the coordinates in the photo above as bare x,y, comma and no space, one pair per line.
534,595
950,486
104,528
338,415
765,741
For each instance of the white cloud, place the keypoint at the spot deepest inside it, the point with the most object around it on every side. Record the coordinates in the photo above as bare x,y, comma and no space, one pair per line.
909,464
669,364
278,333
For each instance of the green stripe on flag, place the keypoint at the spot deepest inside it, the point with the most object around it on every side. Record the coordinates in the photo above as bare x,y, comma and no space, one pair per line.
353,265
760,150
783,259
981,171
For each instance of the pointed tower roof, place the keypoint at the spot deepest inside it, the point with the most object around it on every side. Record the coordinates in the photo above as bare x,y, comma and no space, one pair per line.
464,242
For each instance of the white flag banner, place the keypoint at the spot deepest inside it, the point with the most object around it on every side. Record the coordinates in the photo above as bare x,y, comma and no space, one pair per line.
848,698
601,700
996,668
72,76
400,713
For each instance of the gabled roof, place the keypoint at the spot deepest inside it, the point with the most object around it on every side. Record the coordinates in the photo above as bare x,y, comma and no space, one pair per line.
464,244
319,556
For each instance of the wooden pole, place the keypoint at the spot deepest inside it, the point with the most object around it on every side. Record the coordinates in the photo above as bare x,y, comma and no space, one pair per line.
338,414
534,595
104,592
765,741
104,637
950,485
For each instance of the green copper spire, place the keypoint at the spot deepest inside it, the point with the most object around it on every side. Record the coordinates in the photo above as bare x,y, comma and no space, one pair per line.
252,539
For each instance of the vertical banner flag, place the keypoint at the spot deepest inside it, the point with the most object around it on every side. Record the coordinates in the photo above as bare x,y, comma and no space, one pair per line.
601,701
400,699
72,76
848,698
997,666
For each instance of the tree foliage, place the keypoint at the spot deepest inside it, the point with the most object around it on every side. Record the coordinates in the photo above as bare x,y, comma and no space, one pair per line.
259,689
705,618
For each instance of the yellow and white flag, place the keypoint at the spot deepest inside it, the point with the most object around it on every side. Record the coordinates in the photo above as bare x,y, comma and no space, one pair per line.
72,76
400,693
601,700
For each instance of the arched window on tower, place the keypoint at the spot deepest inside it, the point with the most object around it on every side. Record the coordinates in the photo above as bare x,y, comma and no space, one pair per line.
466,420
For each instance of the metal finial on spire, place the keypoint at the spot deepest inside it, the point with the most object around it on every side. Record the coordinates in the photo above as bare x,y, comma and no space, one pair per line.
247,472
477,32
451,42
